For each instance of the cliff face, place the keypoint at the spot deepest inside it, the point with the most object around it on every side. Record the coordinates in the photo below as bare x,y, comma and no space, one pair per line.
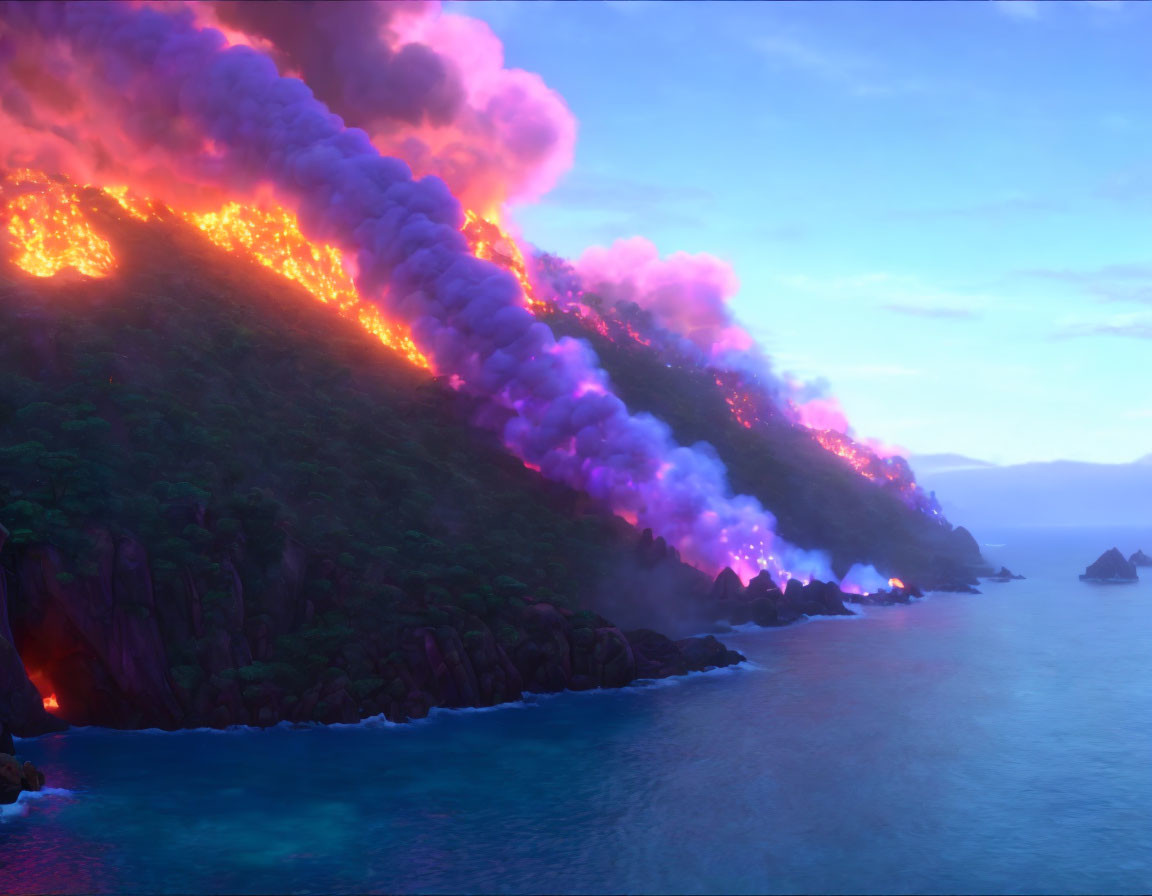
123,649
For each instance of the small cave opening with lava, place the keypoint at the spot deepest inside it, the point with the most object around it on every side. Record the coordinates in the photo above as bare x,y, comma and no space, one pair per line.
44,685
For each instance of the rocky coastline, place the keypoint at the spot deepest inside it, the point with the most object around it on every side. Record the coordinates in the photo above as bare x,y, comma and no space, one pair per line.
103,645
125,648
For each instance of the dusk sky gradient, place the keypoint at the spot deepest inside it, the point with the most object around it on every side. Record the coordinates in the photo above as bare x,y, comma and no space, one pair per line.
941,208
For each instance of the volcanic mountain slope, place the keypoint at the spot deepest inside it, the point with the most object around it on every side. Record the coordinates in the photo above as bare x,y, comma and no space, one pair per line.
222,503
820,502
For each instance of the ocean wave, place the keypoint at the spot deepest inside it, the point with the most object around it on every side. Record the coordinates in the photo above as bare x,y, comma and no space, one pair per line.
22,805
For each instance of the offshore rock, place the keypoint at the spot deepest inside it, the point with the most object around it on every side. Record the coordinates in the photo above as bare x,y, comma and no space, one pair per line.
1004,575
1140,559
1111,568
658,656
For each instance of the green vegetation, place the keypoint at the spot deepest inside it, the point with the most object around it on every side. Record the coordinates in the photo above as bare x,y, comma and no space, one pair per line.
224,418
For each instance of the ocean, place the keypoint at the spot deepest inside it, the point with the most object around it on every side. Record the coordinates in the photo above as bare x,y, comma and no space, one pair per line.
993,743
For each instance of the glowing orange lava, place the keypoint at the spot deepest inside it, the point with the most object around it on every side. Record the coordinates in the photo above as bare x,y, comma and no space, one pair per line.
487,241
51,232
740,402
273,238
47,224
895,583
50,702
839,444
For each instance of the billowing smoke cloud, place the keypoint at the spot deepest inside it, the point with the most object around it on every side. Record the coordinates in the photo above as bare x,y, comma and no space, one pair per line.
429,87
687,294
225,117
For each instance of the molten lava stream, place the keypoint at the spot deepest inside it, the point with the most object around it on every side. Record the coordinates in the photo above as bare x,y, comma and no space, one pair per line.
488,242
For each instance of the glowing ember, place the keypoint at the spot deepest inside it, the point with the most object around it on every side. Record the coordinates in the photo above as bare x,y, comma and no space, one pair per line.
50,702
140,209
487,241
740,400
47,224
895,583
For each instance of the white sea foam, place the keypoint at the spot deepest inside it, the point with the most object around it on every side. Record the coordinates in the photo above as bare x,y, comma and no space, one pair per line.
21,807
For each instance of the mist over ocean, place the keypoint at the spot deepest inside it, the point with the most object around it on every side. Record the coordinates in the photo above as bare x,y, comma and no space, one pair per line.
965,743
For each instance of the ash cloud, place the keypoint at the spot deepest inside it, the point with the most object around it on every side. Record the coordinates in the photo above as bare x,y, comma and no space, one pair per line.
429,87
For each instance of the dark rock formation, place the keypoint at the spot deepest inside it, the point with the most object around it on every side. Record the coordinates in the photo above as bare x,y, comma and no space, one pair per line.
727,586
1004,574
100,634
1110,568
765,604
1140,559
124,649
21,705
658,656
16,777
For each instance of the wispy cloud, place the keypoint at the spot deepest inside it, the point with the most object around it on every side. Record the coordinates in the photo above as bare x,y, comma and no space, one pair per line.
931,311
1130,282
896,293
1031,10
859,75
602,191
1128,326
992,209
1021,10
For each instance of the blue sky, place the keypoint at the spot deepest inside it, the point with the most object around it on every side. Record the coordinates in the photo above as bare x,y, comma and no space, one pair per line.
941,208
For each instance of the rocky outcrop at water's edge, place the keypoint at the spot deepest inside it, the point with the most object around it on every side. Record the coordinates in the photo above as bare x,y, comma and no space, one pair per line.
1140,559
1004,575
1110,568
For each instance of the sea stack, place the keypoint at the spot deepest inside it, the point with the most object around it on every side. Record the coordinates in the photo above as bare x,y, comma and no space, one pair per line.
1111,568
1140,559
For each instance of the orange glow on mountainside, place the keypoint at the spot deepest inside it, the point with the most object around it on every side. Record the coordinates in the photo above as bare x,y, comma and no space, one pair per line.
51,233
487,241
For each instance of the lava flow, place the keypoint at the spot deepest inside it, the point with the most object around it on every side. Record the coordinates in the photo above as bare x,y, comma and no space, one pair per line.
47,223
273,238
487,241
51,231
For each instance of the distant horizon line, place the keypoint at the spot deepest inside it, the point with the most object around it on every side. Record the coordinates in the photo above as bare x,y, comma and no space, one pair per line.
965,459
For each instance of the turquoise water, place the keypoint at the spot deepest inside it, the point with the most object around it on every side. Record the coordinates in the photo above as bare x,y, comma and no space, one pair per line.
993,743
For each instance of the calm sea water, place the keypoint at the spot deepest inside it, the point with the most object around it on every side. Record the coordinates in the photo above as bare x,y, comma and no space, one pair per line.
994,743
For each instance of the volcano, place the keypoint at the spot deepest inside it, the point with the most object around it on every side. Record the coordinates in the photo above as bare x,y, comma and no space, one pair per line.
230,503
296,433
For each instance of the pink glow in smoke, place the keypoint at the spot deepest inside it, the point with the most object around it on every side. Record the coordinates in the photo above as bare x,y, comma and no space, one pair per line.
687,294
826,413
514,138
